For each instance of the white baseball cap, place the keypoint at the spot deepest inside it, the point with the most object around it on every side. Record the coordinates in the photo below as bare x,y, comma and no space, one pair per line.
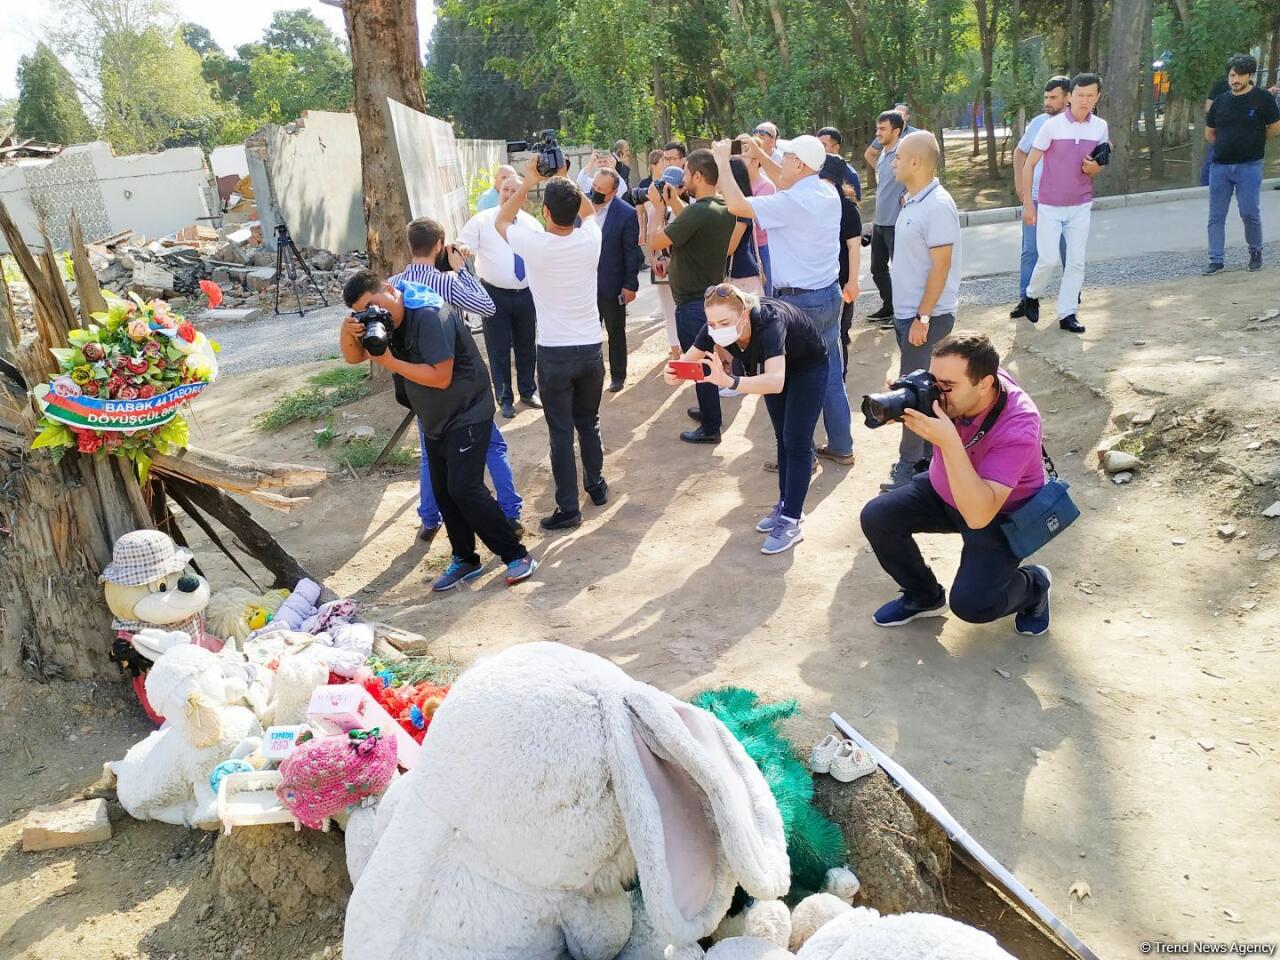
808,148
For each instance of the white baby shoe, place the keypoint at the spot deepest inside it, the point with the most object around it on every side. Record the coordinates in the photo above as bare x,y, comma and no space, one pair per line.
823,753
850,762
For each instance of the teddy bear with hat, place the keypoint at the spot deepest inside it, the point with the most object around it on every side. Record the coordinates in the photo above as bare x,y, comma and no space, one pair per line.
156,603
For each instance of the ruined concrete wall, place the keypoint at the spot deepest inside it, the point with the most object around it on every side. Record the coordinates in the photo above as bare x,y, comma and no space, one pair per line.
152,194
314,169
431,167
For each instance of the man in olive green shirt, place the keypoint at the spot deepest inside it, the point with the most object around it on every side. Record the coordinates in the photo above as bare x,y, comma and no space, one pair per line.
699,241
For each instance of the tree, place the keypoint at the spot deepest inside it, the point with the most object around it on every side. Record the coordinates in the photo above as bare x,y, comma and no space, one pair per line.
143,80
48,107
199,39
384,52
988,17
1124,58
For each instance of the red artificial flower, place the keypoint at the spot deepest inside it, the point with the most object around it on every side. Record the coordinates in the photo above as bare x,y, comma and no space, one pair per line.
88,441
213,292
186,331
128,392
146,391
113,441
90,388
159,363
137,365
114,383
93,352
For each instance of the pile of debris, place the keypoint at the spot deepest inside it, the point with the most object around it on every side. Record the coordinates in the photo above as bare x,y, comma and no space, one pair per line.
233,257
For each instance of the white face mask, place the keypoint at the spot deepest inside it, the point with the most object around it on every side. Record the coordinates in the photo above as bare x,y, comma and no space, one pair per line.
724,336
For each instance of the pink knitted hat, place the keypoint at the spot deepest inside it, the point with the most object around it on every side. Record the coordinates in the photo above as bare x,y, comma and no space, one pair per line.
324,776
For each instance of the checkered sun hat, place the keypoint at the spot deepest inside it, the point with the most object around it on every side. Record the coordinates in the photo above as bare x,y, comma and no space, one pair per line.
144,556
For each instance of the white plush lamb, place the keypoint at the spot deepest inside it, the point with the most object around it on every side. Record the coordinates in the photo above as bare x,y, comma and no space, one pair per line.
859,933
166,776
549,781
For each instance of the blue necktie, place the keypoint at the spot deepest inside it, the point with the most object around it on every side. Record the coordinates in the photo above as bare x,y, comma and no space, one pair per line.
519,267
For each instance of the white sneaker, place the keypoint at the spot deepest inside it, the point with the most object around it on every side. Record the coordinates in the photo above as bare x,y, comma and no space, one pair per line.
729,392
823,752
851,762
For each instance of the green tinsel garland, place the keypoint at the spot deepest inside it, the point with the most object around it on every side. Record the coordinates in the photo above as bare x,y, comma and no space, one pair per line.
814,843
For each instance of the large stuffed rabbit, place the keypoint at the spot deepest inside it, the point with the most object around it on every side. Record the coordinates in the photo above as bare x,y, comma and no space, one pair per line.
549,781
166,776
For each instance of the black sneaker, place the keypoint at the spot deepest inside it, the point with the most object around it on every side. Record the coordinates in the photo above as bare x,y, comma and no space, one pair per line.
516,527
699,436
1020,311
599,494
901,611
1071,324
533,400
695,413
1213,268
1255,261
1034,621
1032,307
427,534
508,409
615,386
561,520
884,313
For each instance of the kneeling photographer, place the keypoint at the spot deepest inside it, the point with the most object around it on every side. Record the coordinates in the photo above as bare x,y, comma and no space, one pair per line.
439,374
986,482
785,359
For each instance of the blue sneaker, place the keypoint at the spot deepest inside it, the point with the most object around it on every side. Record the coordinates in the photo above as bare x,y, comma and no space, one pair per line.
521,569
458,571
1034,622
784,535
767,522
897,612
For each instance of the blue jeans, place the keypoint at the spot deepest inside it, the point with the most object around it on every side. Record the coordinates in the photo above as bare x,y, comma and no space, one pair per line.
823,308
499,471
1028,261
794,413
691,317
768,269
1246,180
1208,162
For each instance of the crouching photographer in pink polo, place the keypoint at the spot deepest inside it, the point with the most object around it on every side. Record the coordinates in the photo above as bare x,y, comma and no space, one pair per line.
986,482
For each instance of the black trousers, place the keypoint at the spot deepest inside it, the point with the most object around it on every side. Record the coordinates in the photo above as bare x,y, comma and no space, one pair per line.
846,325
572,380
513,327
881,254
614,317
989,584
466,505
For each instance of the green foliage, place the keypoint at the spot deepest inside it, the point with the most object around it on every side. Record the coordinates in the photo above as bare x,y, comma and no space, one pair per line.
1202,44
326,391
48,106
814,843
325,437
360,454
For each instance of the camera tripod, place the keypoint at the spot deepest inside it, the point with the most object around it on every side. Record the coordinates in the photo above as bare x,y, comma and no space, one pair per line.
289,259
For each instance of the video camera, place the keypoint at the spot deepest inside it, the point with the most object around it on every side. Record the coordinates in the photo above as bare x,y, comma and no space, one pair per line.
918,391
550,156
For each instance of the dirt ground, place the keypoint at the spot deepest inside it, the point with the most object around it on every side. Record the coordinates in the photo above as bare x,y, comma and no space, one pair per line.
1133,749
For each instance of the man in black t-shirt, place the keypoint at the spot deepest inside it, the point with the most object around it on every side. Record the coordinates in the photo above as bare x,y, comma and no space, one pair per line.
440,375
1238,125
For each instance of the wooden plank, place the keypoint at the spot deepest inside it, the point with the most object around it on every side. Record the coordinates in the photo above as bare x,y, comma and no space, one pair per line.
239,474
87,290
41,296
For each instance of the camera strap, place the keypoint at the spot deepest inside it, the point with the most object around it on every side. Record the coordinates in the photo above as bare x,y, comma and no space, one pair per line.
990,420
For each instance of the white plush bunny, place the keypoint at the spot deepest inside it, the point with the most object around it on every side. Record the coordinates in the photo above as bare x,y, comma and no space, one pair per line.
549,780
166,776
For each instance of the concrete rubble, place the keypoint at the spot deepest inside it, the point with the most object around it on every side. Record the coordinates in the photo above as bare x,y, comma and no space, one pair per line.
234,257
66,824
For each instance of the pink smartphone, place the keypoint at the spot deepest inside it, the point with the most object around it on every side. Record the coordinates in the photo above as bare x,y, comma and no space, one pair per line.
695,370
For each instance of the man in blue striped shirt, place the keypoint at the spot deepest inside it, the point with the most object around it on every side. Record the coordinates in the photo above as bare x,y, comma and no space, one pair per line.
462,291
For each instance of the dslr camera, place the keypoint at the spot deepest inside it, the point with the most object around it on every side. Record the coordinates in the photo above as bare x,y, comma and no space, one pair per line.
550,156
918,391
377,329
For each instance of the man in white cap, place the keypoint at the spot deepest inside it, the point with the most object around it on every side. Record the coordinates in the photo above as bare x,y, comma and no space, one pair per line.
805,256
767,131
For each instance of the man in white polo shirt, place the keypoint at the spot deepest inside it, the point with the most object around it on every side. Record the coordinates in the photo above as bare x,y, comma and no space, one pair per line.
1066,142
514,323
925,274
803,221
561,263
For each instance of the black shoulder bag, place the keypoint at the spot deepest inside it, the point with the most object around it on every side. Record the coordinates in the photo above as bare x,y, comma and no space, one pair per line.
1046,514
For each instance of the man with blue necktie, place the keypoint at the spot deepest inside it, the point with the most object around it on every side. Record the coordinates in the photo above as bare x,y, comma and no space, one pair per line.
513,326
618,273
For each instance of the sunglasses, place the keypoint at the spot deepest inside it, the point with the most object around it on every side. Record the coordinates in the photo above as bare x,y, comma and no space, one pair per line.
722,291
761,132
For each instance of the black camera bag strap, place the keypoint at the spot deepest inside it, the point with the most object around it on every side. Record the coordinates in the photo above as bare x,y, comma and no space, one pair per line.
990,420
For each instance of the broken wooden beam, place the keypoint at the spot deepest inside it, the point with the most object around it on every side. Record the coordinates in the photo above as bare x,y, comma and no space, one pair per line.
280,486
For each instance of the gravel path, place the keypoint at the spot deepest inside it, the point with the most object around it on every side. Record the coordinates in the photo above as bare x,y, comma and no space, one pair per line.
282,341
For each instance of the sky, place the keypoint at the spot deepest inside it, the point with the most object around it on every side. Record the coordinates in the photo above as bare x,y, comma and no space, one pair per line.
232,22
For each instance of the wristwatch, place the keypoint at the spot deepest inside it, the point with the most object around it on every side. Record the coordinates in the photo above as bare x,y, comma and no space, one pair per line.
923,318
735,383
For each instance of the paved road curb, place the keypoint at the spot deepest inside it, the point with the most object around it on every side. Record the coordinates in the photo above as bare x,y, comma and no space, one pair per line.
977,218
